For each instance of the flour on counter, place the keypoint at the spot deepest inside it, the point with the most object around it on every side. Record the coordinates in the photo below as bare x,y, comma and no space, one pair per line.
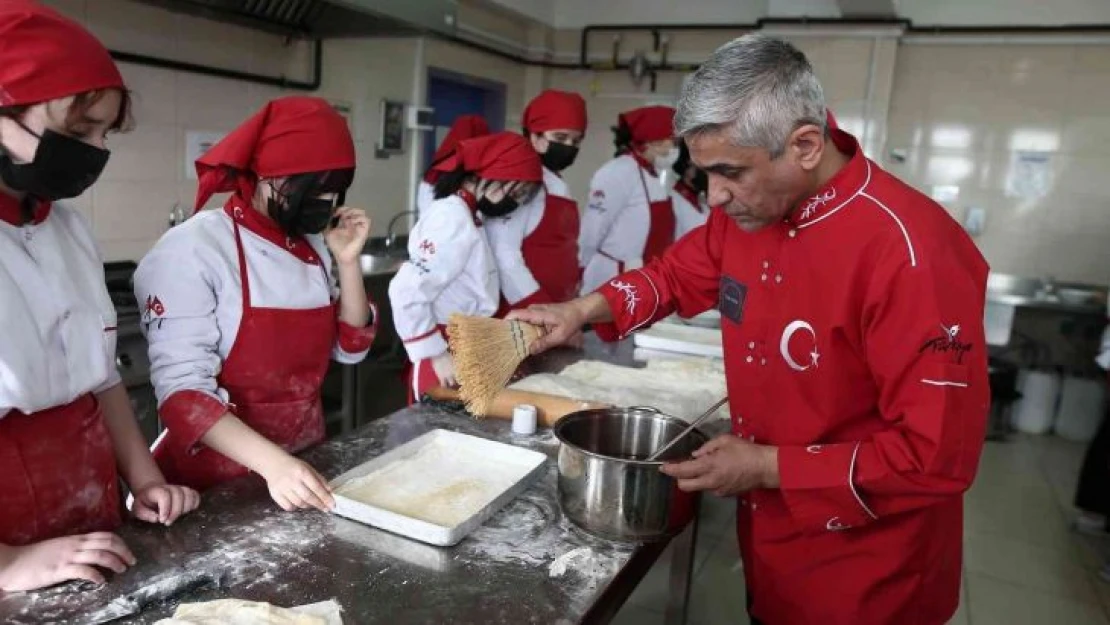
583,561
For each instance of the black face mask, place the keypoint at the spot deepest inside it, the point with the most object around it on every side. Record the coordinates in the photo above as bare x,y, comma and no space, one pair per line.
700,181
559,156
308,216
63,167
497,209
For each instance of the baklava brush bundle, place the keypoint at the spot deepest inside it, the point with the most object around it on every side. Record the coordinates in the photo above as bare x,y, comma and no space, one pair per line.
487,352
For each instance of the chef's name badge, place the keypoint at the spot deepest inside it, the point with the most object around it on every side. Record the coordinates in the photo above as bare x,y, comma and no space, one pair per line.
732,296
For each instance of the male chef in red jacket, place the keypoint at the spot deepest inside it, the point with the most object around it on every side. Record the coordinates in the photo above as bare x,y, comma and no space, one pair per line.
852,322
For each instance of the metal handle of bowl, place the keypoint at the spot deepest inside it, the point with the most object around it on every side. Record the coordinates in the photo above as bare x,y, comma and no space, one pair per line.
693,424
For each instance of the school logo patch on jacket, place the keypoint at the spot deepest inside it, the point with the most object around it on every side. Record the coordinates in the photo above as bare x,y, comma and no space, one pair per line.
153,308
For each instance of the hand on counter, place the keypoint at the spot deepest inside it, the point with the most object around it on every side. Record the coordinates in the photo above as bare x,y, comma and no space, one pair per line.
347,238
163,503
294,485
727,466
62,559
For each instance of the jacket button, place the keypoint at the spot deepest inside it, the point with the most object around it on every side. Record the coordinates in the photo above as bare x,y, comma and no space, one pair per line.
749,359
793,233
751,345
778,277
763,277
766,264
763,361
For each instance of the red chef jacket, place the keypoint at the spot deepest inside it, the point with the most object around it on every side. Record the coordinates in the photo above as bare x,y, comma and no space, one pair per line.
853,339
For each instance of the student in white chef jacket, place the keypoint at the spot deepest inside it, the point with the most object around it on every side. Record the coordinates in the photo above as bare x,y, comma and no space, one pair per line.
536,247
451,268
629,218
245,307
67,429
465,127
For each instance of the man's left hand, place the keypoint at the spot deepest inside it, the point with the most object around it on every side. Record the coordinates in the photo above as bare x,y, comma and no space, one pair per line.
727,466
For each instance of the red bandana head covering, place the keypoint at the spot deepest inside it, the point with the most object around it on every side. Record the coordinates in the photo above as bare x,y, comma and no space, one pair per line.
293,135
555,110
465,127
650,123
45,56
504,156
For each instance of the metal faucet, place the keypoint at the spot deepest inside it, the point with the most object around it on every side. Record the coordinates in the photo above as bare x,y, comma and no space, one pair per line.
177,215
391,238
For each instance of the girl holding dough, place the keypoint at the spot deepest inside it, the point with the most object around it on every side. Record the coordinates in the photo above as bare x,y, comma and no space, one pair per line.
67,429
244,308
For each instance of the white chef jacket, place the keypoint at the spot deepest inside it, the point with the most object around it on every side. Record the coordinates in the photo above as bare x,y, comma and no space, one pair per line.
686,215
193,274
617,220
451,269
507,234
58,323
425,195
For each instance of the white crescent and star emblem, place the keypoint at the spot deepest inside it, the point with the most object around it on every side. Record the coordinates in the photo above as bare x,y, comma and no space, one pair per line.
784,345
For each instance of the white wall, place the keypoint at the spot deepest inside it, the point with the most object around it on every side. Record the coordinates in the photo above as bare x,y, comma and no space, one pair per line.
1011,12
579,13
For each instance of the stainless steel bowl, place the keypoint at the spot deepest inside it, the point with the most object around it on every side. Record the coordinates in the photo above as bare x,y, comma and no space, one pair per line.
605,486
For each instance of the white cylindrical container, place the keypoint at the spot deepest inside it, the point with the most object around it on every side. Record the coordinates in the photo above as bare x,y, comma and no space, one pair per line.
1037,409
1081,409
524,419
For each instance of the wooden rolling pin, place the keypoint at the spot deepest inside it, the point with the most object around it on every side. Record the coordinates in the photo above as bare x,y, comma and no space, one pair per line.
551,408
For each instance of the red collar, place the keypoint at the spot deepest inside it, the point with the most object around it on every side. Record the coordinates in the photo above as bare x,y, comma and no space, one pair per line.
472,203
688,192
11,211
844,186
244,214
643,163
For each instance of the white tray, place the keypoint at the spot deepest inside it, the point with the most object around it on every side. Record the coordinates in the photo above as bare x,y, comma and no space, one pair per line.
708,319
439,487
668,337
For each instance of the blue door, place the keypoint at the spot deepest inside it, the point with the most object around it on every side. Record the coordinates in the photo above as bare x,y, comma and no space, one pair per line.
452,95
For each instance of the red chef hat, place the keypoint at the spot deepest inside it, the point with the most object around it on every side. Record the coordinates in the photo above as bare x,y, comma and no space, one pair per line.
465,127
292,135
45,56
650,123
555,110
504,156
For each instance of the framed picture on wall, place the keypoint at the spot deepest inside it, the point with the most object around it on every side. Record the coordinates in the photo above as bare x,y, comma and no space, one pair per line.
392,131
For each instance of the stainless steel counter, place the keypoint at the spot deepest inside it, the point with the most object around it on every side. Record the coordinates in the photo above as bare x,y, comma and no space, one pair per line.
1048,295
239,544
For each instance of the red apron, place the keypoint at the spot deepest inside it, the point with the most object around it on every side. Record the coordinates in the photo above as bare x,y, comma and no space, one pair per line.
59,474
551,251
272,375
661,232
421,376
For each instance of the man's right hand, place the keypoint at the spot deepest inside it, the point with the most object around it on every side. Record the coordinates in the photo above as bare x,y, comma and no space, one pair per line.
62,559
562,321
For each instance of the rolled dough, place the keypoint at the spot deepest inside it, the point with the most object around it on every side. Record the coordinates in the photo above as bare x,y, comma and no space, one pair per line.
240,612
681,388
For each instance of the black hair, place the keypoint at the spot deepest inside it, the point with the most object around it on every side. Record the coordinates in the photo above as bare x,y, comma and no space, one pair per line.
449,182
298,186
82,102
622,138
683,162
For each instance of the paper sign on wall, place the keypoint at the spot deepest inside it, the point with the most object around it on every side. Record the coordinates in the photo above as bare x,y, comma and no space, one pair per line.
196,144
1030,176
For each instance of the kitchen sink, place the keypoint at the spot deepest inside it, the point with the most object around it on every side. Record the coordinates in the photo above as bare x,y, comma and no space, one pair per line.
1038,293
381,263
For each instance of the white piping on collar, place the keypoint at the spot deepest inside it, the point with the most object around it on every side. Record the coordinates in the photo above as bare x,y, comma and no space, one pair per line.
866,182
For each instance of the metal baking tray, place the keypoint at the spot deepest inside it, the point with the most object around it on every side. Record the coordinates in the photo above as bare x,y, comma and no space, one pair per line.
437,488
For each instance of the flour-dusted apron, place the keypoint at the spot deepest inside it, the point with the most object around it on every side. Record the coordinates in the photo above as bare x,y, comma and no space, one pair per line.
57,473
273,376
